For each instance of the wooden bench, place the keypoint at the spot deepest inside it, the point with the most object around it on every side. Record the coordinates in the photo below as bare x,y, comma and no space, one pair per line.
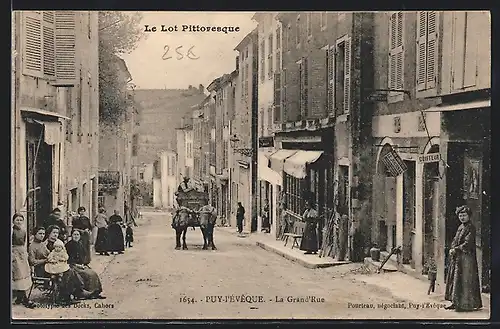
297,231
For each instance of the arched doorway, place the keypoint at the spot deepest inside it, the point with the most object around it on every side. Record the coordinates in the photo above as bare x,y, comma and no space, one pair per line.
385,201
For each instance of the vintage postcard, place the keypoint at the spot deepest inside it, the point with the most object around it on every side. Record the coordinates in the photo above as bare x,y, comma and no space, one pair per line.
250,165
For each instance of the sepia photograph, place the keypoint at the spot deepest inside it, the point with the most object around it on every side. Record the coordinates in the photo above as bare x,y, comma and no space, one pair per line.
312,165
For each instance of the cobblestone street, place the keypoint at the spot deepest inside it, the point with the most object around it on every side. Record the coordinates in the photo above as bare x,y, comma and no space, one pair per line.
239,280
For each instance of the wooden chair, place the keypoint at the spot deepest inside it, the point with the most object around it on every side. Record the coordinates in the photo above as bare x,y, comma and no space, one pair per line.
298,230
49,286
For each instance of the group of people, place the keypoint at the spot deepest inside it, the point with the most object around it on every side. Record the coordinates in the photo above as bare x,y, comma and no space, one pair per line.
55,252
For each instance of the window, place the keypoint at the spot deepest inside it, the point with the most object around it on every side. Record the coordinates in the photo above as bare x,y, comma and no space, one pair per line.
277,66
79,110
322,20
141,176
396,56
262,60
427,31
89,24
298,30
49,46
309,24
135,142
261,119
293,194
71,113
342,75
246,80
270,57
277,97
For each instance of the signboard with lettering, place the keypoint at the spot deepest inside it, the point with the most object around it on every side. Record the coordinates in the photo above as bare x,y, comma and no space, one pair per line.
430,157
266,141
393,163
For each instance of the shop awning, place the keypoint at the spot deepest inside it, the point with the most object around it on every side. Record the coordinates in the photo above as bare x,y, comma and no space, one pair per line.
278,158
51,131
264,172
40,112
461,106
296,164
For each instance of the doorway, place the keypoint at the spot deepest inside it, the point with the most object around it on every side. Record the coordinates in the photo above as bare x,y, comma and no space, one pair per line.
409,213
39,176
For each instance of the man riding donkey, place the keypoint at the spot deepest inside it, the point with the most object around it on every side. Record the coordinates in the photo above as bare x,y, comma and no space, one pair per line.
184,187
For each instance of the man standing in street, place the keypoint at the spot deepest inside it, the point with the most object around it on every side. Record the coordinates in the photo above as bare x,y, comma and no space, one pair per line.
55,219
240,215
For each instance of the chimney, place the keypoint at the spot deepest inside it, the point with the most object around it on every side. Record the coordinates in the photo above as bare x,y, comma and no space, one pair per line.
190,87
237,63
201,88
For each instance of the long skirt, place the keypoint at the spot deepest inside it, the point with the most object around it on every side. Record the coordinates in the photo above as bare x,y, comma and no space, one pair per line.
21,271
309,240
101,242
462,282
115,238
91,281
85,240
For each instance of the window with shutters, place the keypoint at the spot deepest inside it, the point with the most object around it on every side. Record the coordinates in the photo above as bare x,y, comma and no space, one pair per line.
70,112
342,75
323,20
286,37
270,57
277,97
427,50
284,98
261,119
262,60
396,56
277,65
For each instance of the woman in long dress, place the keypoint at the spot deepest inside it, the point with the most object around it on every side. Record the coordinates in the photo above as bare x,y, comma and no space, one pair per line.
38,252
21,271
101,242
115,234
72,283
309,242
91,281
462,279
83,224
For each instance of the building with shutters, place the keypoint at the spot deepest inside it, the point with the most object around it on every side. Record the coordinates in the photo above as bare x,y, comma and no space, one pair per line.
439,128
184,150
323,137
55,112
117,146
244,133
269,181
165,183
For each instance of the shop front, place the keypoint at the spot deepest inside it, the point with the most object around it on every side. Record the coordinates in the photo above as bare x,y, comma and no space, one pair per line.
465,179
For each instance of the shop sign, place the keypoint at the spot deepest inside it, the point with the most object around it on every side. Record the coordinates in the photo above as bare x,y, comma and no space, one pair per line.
394,164
430,157
266,142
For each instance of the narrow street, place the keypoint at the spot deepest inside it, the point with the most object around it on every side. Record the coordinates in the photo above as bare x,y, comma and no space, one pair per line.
150,280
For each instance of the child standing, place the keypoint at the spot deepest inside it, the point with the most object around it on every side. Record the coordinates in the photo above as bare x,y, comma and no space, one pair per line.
57,261
129,236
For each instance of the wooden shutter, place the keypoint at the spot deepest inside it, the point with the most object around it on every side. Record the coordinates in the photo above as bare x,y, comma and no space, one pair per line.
65,23
32,37
48,43
305,91
432,49
471,48
330,58
396,55
317,78
277,97
421,49
292,93
284,98
459,19
347,75
301,88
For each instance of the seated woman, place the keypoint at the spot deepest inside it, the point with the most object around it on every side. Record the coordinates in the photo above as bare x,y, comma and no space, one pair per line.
38,252
71,283
91,281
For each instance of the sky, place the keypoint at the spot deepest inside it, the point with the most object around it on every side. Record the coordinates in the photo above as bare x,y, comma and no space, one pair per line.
214,50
